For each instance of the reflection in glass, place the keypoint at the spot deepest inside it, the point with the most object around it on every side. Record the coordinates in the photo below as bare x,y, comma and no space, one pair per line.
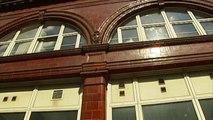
207,107
114,38
28,32
177,14
8,37
129,35
127,113
68,42
47,44
12,116
171,111
50,28
156,33
208,26
185,30
153,16
83,41
2,49
59,115
201,15
20,48
69,30
130,22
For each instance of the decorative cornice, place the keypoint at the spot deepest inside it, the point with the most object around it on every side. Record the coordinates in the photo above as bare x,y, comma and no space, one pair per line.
11,5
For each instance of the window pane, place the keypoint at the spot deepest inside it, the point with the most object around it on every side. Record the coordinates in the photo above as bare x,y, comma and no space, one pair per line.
127,113
185,30
114,38
68,42
2,49
47,44
207,106
171,111
69,30
177,14
200,15
129,22
156,33
8,37
62,115
83,41
20,48
129,35
12,116
153,16
28,32
50,28
208,26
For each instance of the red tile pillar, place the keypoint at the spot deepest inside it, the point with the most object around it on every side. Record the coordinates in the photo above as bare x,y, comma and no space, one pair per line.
94,98
94,87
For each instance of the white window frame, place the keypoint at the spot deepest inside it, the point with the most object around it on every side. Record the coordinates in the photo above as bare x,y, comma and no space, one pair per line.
36,40
137,104
168,25
29,109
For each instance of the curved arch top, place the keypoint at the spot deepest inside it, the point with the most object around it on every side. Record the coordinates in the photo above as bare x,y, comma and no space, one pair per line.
69,17
122,14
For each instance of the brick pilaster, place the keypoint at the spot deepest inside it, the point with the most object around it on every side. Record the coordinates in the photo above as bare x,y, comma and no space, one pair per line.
94,98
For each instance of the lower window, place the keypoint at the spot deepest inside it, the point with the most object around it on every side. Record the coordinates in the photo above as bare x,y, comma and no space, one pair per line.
62,115
207,107
125,113
12,116
170,111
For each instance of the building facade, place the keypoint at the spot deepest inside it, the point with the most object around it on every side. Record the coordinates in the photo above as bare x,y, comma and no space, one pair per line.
106,60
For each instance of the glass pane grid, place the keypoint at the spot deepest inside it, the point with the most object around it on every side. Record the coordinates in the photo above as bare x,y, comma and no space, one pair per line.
46,45
156,33
28,32
185,30
208,27
170,111
20,48
59,115
177,14
130,35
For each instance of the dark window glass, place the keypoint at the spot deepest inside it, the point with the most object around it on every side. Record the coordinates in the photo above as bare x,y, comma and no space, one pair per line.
176,14
201,15
20,48
68,42
12,116
69,30
114,38
46,44
185,30
208,26
129,35
50,28
28,32
130,22
153,16
127,113
207,106
2,49
156,33
62,115
171,111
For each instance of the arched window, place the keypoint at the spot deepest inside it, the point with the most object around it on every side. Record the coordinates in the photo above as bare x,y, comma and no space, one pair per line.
51,35
158,24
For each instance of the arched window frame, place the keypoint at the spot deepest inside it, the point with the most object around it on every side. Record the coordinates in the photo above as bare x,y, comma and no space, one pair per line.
38,39
168,25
